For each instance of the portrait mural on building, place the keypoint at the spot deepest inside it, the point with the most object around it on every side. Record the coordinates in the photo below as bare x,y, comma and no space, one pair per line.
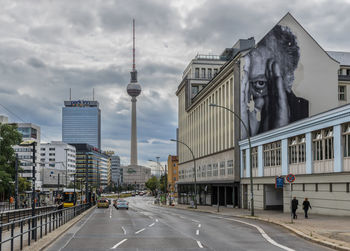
266,87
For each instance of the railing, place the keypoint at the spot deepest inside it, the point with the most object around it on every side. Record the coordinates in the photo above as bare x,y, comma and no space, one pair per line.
36,226
13,215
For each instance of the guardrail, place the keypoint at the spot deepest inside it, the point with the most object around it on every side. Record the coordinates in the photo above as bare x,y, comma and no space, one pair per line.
37,226
12,215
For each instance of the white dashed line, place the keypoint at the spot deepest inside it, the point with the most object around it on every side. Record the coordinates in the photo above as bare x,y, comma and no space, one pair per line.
118,244
151,225
197,232
156,220
143,229
199,225
199,244
124,230
195,221
262,232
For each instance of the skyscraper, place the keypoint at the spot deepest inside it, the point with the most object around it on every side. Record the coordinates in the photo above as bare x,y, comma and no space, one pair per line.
81,123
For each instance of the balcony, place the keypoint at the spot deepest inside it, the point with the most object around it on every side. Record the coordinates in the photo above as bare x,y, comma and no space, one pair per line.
343,77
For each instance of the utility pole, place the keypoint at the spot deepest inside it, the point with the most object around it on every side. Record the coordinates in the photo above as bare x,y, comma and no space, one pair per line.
66,149
33,194
86,178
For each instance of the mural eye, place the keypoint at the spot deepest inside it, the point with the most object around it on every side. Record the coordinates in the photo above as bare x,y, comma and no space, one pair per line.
260,84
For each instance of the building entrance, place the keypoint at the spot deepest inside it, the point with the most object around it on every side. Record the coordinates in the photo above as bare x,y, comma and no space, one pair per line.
273,198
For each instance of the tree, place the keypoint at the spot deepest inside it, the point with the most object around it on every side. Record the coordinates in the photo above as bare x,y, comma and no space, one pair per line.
10,137
152,184
23,185
163,182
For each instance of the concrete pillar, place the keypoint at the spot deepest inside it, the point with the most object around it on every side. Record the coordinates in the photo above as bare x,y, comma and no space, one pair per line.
308,153
284,157
242,164
260,161
338,149
133,157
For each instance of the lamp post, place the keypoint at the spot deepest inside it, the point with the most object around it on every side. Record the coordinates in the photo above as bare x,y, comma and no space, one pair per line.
164,169
250,153
66,150
194,169
33,144
16,182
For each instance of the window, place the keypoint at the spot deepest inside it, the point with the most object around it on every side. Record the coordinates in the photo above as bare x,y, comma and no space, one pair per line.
210,73
52,149
346,140
215,169
222,168
254,157
340,72
316,187
323,147
203,73
244,159
342,92
272,154
174,171
303,187
297,150
174,165
195,90
348,72
52,165
230,167
174,178
330,187
42,149
196,73
215,72
51,154
209,171
204,171
347,187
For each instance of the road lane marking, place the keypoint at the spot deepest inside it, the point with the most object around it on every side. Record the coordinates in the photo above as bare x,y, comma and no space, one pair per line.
197,232
124,230
199,225
143,229
262,232
151,225
199,244
195,220
77,230
110,213
156,220
118,244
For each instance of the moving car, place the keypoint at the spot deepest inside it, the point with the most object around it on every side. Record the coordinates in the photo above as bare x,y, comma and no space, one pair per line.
121,204
102,203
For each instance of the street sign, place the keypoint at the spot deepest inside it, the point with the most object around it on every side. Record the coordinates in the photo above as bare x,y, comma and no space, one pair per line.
290,178
279,182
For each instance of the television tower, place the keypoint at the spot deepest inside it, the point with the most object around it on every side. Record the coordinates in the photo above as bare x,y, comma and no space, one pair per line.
133,89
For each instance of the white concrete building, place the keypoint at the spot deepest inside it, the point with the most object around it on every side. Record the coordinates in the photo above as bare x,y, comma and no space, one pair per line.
60,156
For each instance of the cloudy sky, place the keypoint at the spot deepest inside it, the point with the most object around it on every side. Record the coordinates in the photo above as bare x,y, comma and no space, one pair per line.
47,47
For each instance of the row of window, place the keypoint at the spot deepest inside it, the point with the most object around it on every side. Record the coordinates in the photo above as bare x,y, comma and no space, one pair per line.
205,73
322,145
210,170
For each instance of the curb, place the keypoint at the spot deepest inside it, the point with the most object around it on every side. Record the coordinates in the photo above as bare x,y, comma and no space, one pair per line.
293,230
48,239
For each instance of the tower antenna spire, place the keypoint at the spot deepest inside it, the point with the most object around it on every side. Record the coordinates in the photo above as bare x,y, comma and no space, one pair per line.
133,45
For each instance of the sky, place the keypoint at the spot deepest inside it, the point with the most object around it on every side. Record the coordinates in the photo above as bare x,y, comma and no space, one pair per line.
47,47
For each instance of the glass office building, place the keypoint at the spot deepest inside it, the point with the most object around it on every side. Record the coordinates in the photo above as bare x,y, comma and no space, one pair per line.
81,123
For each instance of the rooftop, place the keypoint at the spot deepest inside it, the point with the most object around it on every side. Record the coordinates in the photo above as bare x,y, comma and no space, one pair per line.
342,57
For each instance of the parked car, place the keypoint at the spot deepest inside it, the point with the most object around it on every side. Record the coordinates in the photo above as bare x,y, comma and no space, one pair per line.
121,204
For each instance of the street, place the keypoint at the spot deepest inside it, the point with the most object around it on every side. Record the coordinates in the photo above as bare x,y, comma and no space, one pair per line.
149,227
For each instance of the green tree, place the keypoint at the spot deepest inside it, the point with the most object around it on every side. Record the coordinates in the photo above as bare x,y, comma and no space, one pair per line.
23,185
9,137
163,182
152,184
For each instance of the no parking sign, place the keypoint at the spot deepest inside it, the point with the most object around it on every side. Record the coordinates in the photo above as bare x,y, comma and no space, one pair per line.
290,178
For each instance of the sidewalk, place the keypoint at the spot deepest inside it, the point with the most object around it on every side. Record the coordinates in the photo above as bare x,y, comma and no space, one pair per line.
332,231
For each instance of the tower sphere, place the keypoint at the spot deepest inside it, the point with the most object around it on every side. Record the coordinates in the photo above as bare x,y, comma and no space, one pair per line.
133,89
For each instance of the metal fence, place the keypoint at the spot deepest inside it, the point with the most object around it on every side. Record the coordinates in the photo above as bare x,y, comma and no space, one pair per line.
37,226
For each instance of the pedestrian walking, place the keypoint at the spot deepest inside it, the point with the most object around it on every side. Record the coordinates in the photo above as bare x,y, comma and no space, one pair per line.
306,207
295,204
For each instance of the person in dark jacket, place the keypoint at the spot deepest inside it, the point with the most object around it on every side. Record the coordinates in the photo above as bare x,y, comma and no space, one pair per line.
306,206
295,204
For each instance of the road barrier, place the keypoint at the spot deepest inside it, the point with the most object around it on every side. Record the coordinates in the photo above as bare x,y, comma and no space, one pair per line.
38,226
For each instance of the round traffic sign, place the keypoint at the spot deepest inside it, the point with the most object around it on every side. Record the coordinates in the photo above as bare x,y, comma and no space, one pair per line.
290,178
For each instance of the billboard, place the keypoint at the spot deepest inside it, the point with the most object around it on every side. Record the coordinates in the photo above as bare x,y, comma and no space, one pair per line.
267,97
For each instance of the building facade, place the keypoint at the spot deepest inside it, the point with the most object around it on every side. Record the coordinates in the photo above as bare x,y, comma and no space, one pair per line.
116,170
173,173
93,163
259,88
136,176
58,155
81,123
29,131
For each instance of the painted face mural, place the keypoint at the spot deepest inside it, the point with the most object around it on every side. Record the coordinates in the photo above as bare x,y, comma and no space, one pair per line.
267,98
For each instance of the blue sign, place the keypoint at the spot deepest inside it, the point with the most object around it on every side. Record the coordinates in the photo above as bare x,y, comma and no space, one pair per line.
279,182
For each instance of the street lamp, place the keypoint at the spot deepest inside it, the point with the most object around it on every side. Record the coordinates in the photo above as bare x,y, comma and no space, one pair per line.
195,171
164,169
66,150
33,144
250,153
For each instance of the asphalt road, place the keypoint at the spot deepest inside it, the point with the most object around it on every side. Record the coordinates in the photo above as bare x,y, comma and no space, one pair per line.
148,227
